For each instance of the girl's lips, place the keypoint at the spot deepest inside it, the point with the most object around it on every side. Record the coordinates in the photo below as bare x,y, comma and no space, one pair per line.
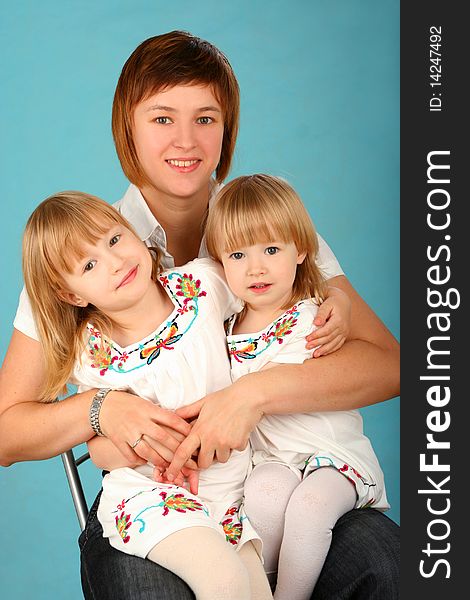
260,288
129,277
183,165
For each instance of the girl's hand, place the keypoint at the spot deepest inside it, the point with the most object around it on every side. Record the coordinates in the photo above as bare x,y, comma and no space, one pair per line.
125,418
333,323
187,478
225,420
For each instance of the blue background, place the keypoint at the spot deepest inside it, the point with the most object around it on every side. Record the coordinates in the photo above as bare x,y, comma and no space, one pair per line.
320,106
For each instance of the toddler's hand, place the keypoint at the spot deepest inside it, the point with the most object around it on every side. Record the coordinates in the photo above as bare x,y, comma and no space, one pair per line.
187,478
332,323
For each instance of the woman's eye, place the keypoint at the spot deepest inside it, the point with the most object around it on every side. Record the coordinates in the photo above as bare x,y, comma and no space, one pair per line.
114,240
236,255
163,120
89,266
271,250
205,120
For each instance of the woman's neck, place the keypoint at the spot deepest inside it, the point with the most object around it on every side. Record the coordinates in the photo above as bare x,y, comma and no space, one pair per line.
134,323
181,218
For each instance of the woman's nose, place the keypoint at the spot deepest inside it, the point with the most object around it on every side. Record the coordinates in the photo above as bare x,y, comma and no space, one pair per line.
184,137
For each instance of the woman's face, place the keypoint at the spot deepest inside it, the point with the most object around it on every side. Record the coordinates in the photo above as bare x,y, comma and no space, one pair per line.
178,136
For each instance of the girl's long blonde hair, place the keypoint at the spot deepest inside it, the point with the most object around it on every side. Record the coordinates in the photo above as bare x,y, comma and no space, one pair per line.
263,208
53,240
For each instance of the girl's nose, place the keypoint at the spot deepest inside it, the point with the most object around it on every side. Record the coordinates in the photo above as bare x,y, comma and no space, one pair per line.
256,268
116,263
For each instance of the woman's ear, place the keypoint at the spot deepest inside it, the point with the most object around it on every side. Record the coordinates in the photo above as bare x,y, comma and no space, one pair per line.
71,298
301,257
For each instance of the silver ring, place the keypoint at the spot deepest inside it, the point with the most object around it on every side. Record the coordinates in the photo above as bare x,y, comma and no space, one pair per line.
136,442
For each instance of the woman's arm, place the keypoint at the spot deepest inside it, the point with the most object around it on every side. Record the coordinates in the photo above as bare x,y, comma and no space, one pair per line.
105,455
33,430
363,372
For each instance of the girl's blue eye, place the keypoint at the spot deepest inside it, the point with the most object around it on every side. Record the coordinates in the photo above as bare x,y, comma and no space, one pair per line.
205,120
236,255
272,250
114,240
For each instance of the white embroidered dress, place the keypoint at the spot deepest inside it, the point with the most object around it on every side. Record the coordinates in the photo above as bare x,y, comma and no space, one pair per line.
305,442
184,359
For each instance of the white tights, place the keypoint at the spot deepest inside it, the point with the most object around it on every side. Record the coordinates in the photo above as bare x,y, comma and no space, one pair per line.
211,567
295,520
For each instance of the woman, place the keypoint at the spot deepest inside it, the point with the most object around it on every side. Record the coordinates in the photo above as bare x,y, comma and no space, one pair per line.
175,121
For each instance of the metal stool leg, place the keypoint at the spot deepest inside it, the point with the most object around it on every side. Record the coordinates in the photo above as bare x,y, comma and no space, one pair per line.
76,489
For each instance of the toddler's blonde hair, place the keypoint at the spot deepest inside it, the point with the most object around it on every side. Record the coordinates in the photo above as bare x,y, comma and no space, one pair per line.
262,208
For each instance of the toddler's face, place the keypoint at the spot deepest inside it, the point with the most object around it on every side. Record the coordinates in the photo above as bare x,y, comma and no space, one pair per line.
262,275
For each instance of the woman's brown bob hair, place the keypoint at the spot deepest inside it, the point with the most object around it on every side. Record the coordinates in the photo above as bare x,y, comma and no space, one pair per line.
163,61
262,208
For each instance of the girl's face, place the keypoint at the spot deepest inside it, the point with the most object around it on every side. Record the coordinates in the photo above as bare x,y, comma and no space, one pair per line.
178,136
114,274
262,275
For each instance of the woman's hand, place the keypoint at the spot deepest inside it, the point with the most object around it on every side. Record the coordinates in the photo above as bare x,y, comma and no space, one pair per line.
224,422
126,419
333,322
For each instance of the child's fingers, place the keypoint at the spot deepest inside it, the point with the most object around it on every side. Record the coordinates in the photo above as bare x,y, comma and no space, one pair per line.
323,336
323,315
330,347
179,480
192,478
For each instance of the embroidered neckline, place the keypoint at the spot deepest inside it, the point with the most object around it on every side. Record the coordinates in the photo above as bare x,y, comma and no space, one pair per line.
244,348
184,292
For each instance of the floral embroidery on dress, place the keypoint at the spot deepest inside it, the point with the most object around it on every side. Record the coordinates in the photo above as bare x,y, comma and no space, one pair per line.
123,522
349,472
100,354
285,327
185,292
232,527
174,500
252,347
189,288
179,502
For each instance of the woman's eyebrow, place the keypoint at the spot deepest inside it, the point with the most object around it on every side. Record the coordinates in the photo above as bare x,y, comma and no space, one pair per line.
171,109
208,108
161,107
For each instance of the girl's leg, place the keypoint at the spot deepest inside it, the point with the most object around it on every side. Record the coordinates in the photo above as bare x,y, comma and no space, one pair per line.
267,492
202,558
259,584
313,509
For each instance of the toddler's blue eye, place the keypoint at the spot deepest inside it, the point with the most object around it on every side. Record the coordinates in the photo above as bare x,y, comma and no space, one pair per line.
272,250
236,255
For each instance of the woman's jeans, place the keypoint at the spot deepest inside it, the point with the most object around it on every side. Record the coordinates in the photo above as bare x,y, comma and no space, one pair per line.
362,564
